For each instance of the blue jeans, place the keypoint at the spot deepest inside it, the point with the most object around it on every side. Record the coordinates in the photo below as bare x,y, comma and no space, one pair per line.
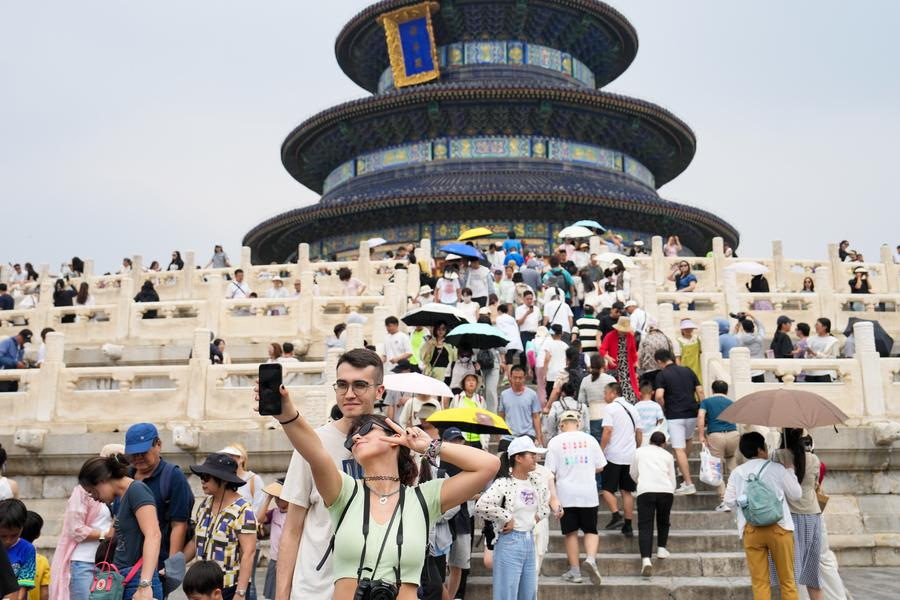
514,570
81,578
597,432
132,586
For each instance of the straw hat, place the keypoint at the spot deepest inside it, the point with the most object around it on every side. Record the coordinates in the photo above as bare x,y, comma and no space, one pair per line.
623,325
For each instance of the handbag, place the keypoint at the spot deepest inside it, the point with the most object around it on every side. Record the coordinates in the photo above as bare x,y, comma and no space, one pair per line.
108,583
821,497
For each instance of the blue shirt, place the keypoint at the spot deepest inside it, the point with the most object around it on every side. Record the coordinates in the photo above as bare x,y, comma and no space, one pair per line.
23,560
714,405
10,353
683,282
177,507
727,341
510,245
518,410
7,302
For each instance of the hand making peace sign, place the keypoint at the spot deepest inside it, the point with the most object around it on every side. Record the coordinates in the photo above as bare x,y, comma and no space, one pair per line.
413,438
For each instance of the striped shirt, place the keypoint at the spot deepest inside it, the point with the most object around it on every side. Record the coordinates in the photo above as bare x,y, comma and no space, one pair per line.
587,333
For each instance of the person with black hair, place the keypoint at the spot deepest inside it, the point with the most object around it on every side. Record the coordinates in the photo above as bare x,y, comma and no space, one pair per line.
203,581
750,334
137,539
8,582
622,435
776,539
226,525
9,488
822,345
805,512
64,295
34,523
148,294
653,469
13,516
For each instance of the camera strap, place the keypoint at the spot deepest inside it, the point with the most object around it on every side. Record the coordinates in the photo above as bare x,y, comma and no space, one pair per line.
365,530
336,527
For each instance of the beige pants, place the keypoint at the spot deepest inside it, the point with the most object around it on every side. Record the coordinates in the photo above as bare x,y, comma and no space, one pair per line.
724,446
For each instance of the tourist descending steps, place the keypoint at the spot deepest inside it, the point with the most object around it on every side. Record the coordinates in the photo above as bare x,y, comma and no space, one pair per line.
678,390
761,483
516,501
386,500
574,458
621,437
653,468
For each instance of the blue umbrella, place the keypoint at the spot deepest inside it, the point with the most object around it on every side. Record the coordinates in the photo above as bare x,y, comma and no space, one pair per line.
462,250
477,335
591,224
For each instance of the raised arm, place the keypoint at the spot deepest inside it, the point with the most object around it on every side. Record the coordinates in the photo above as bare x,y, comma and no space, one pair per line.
304,439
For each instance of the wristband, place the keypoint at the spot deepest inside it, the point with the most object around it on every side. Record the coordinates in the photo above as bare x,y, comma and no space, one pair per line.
434,449
297,416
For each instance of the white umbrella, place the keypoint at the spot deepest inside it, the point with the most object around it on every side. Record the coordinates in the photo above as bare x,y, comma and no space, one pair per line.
575,231
375,242
749,267
607,258
416,383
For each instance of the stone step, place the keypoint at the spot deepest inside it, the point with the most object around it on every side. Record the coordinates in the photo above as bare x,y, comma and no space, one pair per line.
692,564
613,542
636,588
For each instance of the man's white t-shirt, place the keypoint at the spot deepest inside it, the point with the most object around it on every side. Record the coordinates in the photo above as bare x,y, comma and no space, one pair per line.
300,489
446,290
508,326
396,344
562,312
557,351
621,446
237,290
469,310
574,458
532,321
478,281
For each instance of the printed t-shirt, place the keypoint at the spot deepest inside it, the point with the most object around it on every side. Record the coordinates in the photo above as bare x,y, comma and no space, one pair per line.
129,538
22,557
218,535
300,489
714,405
524,507
574,458
348,541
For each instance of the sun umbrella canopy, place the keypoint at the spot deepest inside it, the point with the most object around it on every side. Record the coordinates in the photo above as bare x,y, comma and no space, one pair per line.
416,383
375,242
749,267
472,234
472,420
478,335
884,343
575,231
590,224
432,313
607,258
462,250
784,408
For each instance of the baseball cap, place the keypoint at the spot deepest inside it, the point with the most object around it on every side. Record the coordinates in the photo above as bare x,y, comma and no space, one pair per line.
784,319
452,433
523,444
26,335
569,415
140,437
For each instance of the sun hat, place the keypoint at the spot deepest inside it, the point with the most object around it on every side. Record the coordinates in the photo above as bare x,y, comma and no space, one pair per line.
523,444
630,303
624,325
687,324
569,415
425,289
274,489
476,376
140,437
221,466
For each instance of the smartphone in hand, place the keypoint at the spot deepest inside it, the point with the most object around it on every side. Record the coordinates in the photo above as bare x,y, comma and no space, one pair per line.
270,389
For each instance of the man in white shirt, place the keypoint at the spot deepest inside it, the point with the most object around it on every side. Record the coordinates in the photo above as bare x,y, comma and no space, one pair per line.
397,346
236,287
18,275
555,356
556,311
307,527
621,437
528,318
574,458
507,324
638,316
775,540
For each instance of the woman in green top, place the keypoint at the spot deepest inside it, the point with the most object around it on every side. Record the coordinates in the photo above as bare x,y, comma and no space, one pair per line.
382,522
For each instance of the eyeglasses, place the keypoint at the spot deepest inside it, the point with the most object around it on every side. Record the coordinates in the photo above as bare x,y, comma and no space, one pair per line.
359,387
364,431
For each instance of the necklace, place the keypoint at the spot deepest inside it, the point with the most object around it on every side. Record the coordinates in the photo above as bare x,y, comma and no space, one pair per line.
381,478
383,498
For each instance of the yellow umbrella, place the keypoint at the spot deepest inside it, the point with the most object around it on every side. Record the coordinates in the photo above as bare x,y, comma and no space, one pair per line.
471,234
472,420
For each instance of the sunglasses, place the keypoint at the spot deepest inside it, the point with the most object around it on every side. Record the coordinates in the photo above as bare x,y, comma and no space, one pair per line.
364,431
204,477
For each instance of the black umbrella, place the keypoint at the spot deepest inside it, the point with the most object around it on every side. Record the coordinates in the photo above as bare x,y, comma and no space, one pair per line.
883,342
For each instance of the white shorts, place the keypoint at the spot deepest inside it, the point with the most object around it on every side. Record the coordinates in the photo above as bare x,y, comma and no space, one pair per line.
681,430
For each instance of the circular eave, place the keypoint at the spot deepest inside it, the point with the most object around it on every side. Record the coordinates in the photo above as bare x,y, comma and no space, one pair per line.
648,133
591,31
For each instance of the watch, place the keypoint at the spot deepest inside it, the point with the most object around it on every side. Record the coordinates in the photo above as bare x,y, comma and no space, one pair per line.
241,593
102,536
145,583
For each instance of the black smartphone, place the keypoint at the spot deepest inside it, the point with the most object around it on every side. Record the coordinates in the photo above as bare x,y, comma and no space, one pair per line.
270,389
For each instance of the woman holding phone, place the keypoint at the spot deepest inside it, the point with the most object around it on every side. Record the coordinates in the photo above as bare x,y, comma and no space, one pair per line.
385,514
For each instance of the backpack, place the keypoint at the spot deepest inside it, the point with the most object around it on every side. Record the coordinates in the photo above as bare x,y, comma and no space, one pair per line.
762,507
485,358
557,279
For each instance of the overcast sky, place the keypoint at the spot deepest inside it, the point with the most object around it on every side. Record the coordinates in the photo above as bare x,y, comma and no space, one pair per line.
143,127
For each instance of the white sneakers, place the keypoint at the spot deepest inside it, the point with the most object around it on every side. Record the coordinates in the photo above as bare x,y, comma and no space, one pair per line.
571,577
662,553
646,567
685,489
723,508
593,572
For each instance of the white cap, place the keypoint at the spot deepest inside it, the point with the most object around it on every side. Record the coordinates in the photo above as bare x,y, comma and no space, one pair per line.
231,451
630,303
687,324
523,444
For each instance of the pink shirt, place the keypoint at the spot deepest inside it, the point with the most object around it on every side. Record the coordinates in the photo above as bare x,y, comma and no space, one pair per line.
276,522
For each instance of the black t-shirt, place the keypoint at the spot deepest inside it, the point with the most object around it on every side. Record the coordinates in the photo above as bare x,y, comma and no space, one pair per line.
7,302
782,345
679,385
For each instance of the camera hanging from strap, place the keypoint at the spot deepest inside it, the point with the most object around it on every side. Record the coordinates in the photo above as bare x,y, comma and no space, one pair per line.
398,508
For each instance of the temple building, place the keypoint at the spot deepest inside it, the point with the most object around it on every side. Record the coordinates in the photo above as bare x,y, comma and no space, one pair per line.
515,134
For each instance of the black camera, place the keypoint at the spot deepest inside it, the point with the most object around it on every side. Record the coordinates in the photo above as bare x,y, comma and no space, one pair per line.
367,589
739,316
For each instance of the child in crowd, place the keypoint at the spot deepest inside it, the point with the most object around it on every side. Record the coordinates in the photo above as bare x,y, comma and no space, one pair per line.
203,581
652,417
274,520
21,553
30,533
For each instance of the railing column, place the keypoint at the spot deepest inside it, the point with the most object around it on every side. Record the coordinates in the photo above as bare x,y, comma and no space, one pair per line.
246,259
364,265
658,260
869,366
891,283
709,350
199,369
187,274
215,293
137,273
718,256
779,265
123,309
48,383
88,269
